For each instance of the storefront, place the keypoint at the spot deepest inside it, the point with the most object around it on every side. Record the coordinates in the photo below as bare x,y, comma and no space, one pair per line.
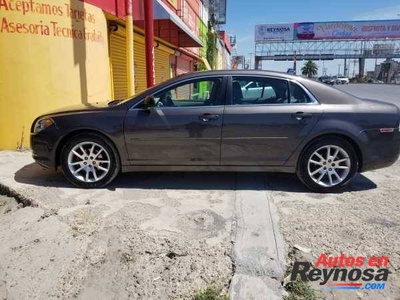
118,64
66,53
162,54
170,33
49,59
162,62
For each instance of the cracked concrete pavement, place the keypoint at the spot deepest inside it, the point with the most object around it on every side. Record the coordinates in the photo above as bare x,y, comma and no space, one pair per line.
167,235
362,221
146,236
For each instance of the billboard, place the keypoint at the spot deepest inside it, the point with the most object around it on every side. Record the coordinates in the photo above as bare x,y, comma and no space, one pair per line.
382,49
329,30
274,32
347,30
217,9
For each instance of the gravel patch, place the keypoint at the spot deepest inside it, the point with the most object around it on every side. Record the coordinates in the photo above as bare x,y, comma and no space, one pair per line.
363,221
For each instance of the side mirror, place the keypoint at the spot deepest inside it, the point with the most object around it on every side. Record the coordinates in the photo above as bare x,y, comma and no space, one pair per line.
147,107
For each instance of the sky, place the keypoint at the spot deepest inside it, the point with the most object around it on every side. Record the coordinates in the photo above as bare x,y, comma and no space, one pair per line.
242,16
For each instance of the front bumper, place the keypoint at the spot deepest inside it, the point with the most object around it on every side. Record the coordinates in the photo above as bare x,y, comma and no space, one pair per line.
44,145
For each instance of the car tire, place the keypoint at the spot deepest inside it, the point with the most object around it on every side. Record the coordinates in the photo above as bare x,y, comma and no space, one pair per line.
88,160
322,172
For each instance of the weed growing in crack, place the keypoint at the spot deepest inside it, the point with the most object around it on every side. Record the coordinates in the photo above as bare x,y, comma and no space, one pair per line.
126,258
211,293
299,290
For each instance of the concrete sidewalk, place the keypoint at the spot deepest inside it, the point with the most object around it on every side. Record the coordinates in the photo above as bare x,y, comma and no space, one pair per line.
258,245
200,215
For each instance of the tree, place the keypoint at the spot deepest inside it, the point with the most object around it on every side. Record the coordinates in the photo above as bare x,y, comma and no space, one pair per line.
309,69
212,48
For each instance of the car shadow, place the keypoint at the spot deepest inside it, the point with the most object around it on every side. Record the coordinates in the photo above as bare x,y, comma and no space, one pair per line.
290,183
34,174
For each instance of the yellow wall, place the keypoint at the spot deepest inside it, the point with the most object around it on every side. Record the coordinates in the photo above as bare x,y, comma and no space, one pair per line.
41,70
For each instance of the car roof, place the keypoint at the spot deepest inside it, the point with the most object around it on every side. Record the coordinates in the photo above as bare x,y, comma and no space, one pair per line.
238,73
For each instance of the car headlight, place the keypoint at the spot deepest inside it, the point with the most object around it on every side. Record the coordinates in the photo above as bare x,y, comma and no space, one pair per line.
43,124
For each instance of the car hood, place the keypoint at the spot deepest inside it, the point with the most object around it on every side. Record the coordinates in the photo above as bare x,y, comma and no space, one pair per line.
78,108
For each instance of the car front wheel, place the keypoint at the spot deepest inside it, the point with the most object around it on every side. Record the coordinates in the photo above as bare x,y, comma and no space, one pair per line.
89,161
328,165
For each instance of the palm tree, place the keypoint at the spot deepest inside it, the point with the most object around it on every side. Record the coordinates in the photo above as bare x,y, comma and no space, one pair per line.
309,69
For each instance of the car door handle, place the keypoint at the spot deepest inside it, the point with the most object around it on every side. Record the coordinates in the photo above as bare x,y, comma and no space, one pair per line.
208,117
301,115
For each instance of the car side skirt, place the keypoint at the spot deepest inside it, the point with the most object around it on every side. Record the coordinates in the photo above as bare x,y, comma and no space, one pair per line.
159,168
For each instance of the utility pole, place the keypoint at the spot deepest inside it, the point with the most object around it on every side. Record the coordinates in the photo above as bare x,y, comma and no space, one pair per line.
251,55
339,69
149,40
295,63
130,69
355,62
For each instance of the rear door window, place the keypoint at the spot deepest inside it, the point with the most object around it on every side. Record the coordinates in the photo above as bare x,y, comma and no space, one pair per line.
297,94
259,90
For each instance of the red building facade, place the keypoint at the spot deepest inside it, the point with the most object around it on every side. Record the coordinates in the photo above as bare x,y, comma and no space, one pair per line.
176,40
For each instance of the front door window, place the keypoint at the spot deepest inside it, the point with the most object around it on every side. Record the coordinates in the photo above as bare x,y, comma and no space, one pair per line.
194,94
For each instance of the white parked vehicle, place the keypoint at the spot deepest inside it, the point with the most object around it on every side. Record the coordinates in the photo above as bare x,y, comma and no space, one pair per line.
254,90
342,80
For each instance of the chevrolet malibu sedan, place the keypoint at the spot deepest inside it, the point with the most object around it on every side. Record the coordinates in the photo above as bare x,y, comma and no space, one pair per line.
209,121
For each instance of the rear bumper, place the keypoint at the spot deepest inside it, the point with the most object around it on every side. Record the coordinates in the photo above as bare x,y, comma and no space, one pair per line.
382,149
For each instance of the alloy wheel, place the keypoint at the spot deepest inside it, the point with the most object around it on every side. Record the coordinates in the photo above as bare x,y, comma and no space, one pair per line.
329,165
89,162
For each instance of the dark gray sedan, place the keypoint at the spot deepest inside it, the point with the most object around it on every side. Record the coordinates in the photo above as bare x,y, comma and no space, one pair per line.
223,121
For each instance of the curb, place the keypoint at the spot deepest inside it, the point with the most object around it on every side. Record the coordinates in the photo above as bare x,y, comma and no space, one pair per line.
258,251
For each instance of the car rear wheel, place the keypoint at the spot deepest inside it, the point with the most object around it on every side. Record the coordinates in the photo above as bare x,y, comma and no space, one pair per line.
328,165
89,161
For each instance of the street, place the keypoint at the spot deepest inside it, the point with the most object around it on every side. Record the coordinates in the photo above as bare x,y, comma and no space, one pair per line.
168,235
